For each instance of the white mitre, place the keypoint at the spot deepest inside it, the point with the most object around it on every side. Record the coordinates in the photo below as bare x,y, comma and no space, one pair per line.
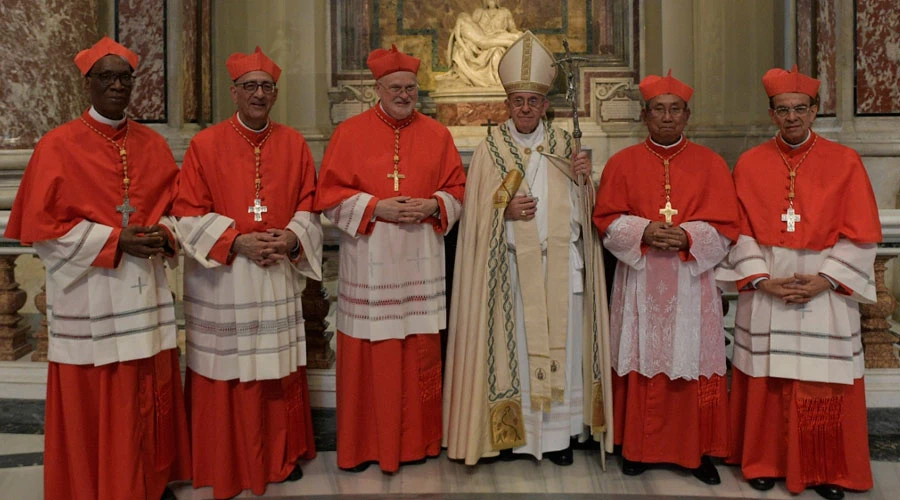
527,66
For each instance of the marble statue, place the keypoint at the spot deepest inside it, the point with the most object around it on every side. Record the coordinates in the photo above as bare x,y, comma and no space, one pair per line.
477,43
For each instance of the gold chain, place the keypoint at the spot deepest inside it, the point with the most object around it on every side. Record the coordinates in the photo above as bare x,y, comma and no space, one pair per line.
396,176
792,171
123,152
666,164
257,151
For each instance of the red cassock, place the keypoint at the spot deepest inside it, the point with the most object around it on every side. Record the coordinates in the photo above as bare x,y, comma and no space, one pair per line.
389,387
809,433
116,430
246,435
660,419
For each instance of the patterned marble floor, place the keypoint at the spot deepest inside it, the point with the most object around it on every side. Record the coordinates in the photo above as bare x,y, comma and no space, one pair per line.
440,479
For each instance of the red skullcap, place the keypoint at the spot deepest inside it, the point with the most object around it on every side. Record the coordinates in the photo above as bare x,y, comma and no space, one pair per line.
239,64
384,62
778,81
653,86
87,58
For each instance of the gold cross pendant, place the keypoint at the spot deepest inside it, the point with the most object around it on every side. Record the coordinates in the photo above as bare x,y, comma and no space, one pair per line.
668,211
396,176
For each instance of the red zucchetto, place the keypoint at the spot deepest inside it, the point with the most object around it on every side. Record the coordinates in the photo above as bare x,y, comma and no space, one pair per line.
653,86
384,62
87,58
778,81
239,64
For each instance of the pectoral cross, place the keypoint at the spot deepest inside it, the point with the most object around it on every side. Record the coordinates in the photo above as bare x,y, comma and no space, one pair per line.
668,211
257,210
791,218
396,176
126,209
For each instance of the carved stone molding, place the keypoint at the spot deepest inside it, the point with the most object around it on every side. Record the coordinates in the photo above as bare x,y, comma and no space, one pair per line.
41,335
319,353
13,333
878,341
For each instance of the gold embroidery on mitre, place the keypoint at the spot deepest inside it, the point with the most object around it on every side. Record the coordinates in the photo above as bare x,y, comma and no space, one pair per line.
507,425
526,59
527,66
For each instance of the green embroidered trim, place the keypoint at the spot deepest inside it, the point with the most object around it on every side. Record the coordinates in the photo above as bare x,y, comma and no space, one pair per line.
499,284
568,138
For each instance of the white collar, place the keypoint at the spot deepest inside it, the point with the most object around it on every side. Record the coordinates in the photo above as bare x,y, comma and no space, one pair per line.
795,146
670,145
104,120
248,128
529,140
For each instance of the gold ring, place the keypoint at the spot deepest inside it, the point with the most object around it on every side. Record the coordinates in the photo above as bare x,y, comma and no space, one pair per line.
523,213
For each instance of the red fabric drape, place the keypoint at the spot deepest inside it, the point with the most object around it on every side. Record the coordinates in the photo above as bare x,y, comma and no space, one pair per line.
248,434
658,420
115,431
388,400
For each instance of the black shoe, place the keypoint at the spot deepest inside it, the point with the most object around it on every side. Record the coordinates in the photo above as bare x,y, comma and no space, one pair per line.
762,483
630,468
168,494
507,455
295,474
359,468
829,491
707,472
562,457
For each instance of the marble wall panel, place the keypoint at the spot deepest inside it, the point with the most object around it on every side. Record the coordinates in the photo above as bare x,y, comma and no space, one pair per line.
816,50
196,90
141,26
41,86
877,57
351,34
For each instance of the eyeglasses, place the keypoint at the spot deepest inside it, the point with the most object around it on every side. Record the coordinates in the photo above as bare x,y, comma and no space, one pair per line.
397,89
660,111
251,86
784,111
533,102
107,78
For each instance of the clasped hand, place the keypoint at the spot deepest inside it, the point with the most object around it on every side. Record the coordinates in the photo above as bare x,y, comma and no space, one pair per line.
405,209
265,248
143,242
796,289
521,207
664,236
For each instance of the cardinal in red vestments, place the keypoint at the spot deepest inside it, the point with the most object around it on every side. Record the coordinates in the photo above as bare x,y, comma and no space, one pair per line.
392,182
669,213
93,204
250,237
803,263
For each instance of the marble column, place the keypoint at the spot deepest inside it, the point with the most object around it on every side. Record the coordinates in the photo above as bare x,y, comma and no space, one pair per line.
13,341
878,341
39,40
